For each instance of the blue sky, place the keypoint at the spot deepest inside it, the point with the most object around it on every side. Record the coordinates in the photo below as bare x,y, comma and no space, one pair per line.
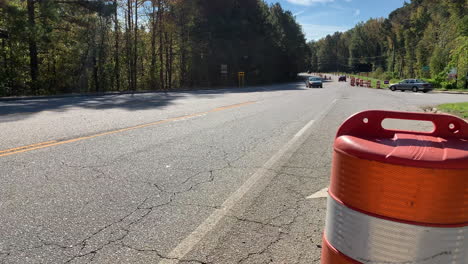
321,17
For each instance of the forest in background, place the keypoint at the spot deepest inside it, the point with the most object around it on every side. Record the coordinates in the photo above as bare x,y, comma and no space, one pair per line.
423,39
81,46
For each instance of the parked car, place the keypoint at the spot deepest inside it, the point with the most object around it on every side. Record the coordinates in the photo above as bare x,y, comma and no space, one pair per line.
414,85
314,82
342,78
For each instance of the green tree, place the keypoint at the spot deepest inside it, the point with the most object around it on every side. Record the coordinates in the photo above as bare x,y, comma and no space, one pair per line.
419,34
52,46
459,60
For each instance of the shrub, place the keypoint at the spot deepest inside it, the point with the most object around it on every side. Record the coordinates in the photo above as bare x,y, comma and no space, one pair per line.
387,76
449,85
435,83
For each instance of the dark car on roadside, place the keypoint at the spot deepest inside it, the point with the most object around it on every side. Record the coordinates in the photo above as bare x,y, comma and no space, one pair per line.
314,81
415,85
342,78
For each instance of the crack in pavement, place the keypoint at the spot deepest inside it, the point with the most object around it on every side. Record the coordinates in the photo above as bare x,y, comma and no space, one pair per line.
123,228
265,249
163,256
292,210
94,168
263,224
215,207
126,227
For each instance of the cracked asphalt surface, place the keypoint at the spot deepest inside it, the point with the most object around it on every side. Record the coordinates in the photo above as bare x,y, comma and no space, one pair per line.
133,196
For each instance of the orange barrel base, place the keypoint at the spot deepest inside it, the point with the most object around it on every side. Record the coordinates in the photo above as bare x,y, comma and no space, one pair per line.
331,256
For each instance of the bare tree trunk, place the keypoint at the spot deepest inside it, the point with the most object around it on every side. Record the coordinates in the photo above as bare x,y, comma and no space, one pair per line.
129,43
135,58
394,58
117,48
183,55
54,66
4,56
95,69
33,60
15,90
5,68
153,44
166,40
102,55
183,65
171,60
161,50
400,74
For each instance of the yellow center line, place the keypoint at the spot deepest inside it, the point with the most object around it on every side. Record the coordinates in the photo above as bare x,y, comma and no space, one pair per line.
52,143
231,106
28,146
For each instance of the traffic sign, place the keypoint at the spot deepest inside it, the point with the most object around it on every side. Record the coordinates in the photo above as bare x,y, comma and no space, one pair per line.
224,69
241,76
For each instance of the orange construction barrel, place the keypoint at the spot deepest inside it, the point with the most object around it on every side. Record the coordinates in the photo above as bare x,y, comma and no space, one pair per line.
398,196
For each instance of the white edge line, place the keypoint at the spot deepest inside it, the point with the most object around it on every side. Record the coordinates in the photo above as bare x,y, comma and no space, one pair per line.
186,245
304,129
320,194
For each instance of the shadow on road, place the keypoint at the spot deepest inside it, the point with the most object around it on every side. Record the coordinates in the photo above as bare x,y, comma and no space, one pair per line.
13,110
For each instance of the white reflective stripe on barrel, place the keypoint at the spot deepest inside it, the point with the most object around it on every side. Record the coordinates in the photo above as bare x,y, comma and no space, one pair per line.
369,239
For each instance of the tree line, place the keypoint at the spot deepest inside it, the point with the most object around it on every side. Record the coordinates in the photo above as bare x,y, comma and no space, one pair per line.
81,46
423,39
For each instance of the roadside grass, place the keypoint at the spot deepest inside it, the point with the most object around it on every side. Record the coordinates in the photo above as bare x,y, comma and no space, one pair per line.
459,109
450,90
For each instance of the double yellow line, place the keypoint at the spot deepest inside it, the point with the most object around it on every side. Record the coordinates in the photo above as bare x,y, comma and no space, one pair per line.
52,143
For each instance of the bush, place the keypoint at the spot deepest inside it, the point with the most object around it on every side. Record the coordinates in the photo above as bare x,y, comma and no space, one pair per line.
435,83
449,85
387,76
377,74
439,81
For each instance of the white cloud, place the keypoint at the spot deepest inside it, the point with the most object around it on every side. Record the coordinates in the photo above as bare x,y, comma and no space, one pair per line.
308,2
299,13
310,17
337,6
357,12
316,32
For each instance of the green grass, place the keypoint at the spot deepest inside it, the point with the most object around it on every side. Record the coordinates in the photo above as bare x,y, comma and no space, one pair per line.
451,90
459,109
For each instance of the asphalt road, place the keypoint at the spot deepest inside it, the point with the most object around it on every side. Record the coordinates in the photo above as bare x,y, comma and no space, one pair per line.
193,177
